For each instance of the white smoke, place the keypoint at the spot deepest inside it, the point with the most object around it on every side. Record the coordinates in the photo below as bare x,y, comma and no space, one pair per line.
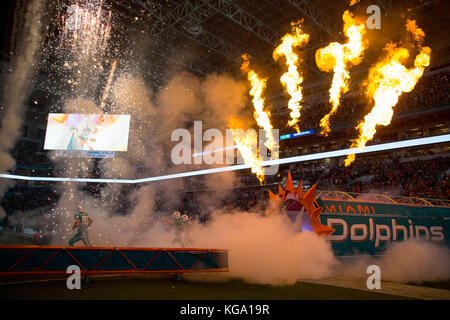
261,249
184,97
266,249
18,85
406,261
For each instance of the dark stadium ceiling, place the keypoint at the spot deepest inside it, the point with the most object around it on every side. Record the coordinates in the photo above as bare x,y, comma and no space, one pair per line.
207,36
224,29
217,32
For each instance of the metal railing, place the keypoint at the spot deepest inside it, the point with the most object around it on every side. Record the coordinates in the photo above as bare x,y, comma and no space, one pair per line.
354,196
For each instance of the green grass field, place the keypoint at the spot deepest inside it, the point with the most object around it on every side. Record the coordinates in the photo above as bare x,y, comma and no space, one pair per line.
164,287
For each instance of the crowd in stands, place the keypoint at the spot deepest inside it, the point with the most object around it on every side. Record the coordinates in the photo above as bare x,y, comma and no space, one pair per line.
406,176
417,178
403,177
24,198
432,90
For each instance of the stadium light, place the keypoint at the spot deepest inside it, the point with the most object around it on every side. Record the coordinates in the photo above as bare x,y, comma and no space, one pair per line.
309,157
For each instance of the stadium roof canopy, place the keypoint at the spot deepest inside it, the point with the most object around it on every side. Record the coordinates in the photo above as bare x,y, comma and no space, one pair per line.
206,36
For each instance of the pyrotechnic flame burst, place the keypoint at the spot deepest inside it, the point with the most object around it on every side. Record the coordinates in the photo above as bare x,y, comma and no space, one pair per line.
247,145
338,57
292,79
262,117
418,33
387,80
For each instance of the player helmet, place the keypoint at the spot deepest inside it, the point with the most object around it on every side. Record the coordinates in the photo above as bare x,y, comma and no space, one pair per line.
176,214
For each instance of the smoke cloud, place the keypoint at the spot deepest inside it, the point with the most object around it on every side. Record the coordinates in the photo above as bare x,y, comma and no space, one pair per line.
266,249
18,85
153,116
406,261
262,249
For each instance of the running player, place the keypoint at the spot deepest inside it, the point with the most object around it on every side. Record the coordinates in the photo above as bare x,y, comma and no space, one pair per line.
82,222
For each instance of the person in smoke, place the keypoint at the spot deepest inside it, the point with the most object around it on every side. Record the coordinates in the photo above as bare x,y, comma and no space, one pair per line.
176,216
82,223
228,206
177,222
186,208
180,222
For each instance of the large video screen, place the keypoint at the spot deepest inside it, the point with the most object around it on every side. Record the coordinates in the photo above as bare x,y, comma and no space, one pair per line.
96,132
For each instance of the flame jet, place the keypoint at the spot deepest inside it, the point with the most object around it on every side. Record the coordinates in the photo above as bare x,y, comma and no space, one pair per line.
262,117
338,57
247,142
247,145
292,79
387,80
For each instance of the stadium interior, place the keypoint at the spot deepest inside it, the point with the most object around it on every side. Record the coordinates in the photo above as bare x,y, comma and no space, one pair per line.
210,36
100,99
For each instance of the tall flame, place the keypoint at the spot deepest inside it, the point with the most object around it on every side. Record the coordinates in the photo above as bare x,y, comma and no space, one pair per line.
292,79
262,117
338,57
387,80
418,33
247,146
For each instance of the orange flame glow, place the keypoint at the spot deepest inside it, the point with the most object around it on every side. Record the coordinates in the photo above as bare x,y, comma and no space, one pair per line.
292,79
247,145
262,117
338,57
387,80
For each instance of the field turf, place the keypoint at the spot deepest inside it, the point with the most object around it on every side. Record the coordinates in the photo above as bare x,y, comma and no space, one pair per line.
164,287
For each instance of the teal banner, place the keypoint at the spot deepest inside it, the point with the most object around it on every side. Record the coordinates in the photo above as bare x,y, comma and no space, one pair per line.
370,208
357,234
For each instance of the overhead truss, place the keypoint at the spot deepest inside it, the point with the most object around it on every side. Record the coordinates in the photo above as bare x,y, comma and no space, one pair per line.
191,13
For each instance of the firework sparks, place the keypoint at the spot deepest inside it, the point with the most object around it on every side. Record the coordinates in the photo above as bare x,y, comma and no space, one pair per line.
292,79
108,84
84,31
